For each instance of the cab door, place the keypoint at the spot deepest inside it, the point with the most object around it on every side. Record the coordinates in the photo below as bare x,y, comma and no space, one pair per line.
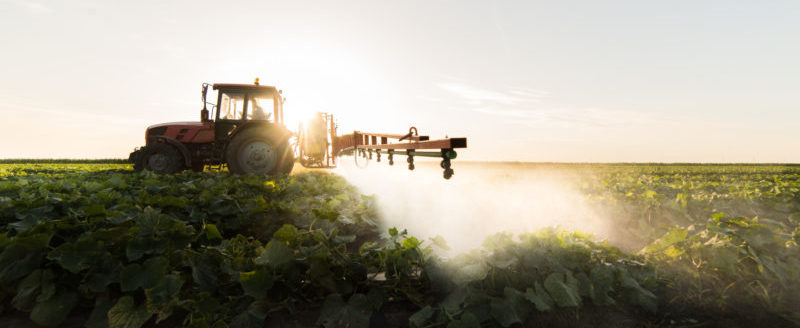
231,111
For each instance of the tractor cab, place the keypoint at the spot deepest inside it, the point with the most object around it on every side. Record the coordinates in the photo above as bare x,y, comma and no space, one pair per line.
240,104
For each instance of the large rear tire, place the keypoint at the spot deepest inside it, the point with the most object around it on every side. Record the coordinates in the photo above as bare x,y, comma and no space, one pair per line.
160,158
255,151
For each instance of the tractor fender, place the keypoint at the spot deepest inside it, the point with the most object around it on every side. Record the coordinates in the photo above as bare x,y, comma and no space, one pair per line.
187,157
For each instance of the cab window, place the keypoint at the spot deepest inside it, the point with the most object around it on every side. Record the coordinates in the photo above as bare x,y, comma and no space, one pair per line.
231,106
260,108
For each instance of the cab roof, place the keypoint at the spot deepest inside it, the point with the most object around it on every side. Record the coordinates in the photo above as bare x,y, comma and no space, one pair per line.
245,87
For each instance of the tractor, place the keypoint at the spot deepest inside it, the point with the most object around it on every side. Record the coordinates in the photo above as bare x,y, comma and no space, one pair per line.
248,134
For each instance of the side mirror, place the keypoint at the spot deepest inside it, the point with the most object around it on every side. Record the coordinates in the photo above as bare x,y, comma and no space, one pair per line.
204,112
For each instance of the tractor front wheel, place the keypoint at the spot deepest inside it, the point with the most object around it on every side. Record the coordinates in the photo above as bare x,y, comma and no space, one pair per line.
259,152
160,158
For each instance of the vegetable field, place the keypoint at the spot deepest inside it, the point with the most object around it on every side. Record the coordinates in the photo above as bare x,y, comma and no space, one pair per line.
97,245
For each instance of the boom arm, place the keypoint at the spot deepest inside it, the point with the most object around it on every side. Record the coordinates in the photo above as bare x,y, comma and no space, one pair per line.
364,144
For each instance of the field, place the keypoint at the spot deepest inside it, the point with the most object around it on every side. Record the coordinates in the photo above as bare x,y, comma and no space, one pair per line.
97,245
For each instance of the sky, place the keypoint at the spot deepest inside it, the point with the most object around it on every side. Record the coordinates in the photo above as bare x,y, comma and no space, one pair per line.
565,81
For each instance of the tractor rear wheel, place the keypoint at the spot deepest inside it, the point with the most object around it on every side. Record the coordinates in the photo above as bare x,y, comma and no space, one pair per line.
160,158
255,151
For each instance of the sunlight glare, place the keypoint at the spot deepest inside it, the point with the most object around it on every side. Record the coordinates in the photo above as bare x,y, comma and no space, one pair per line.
312,78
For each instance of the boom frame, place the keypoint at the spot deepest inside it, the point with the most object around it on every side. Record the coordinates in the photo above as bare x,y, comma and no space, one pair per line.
364,144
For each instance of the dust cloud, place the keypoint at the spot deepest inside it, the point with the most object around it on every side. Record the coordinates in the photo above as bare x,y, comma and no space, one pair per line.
480,200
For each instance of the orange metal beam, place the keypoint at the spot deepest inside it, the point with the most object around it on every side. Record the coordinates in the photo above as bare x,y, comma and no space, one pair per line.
346,143
393,136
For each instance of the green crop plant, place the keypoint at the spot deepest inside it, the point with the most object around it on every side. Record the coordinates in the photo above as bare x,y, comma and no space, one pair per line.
124,249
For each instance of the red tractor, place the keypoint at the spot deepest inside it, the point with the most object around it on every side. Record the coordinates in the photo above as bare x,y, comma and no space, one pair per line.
247,132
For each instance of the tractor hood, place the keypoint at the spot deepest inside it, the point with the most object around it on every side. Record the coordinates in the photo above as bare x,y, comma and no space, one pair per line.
195,124
178,130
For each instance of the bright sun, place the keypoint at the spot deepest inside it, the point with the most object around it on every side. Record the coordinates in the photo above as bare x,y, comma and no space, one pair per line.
328,80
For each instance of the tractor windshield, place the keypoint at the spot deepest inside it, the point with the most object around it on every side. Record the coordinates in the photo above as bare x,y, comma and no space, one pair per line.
260,107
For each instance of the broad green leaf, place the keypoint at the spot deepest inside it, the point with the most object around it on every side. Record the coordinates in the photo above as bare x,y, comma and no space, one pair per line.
23,256
103,274
410,242
211,231
512,308
325,214
275,254
161,297
32,217
563,294
77,256
455,300
164,290
672,237
136,248
503,311
54,310
117,182
344,239
4,240
99,316
94,210
331,311
419,318
136,276
650,194
256,283
48,287
467,320
469,273
203,271
125,314
440,242
356,272
636,293
23,264
287,233
602,283
26,222
539,298
151,221
584,285
27,290
723,257
354,314
502,261
673,251
250,318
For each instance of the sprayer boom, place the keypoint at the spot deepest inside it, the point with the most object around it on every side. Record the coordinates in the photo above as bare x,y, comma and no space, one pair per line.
364,144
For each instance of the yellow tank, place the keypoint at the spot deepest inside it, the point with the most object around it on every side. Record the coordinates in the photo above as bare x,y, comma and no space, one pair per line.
315,139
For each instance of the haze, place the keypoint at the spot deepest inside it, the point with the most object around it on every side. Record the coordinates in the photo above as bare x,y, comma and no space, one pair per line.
585,81
480,201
